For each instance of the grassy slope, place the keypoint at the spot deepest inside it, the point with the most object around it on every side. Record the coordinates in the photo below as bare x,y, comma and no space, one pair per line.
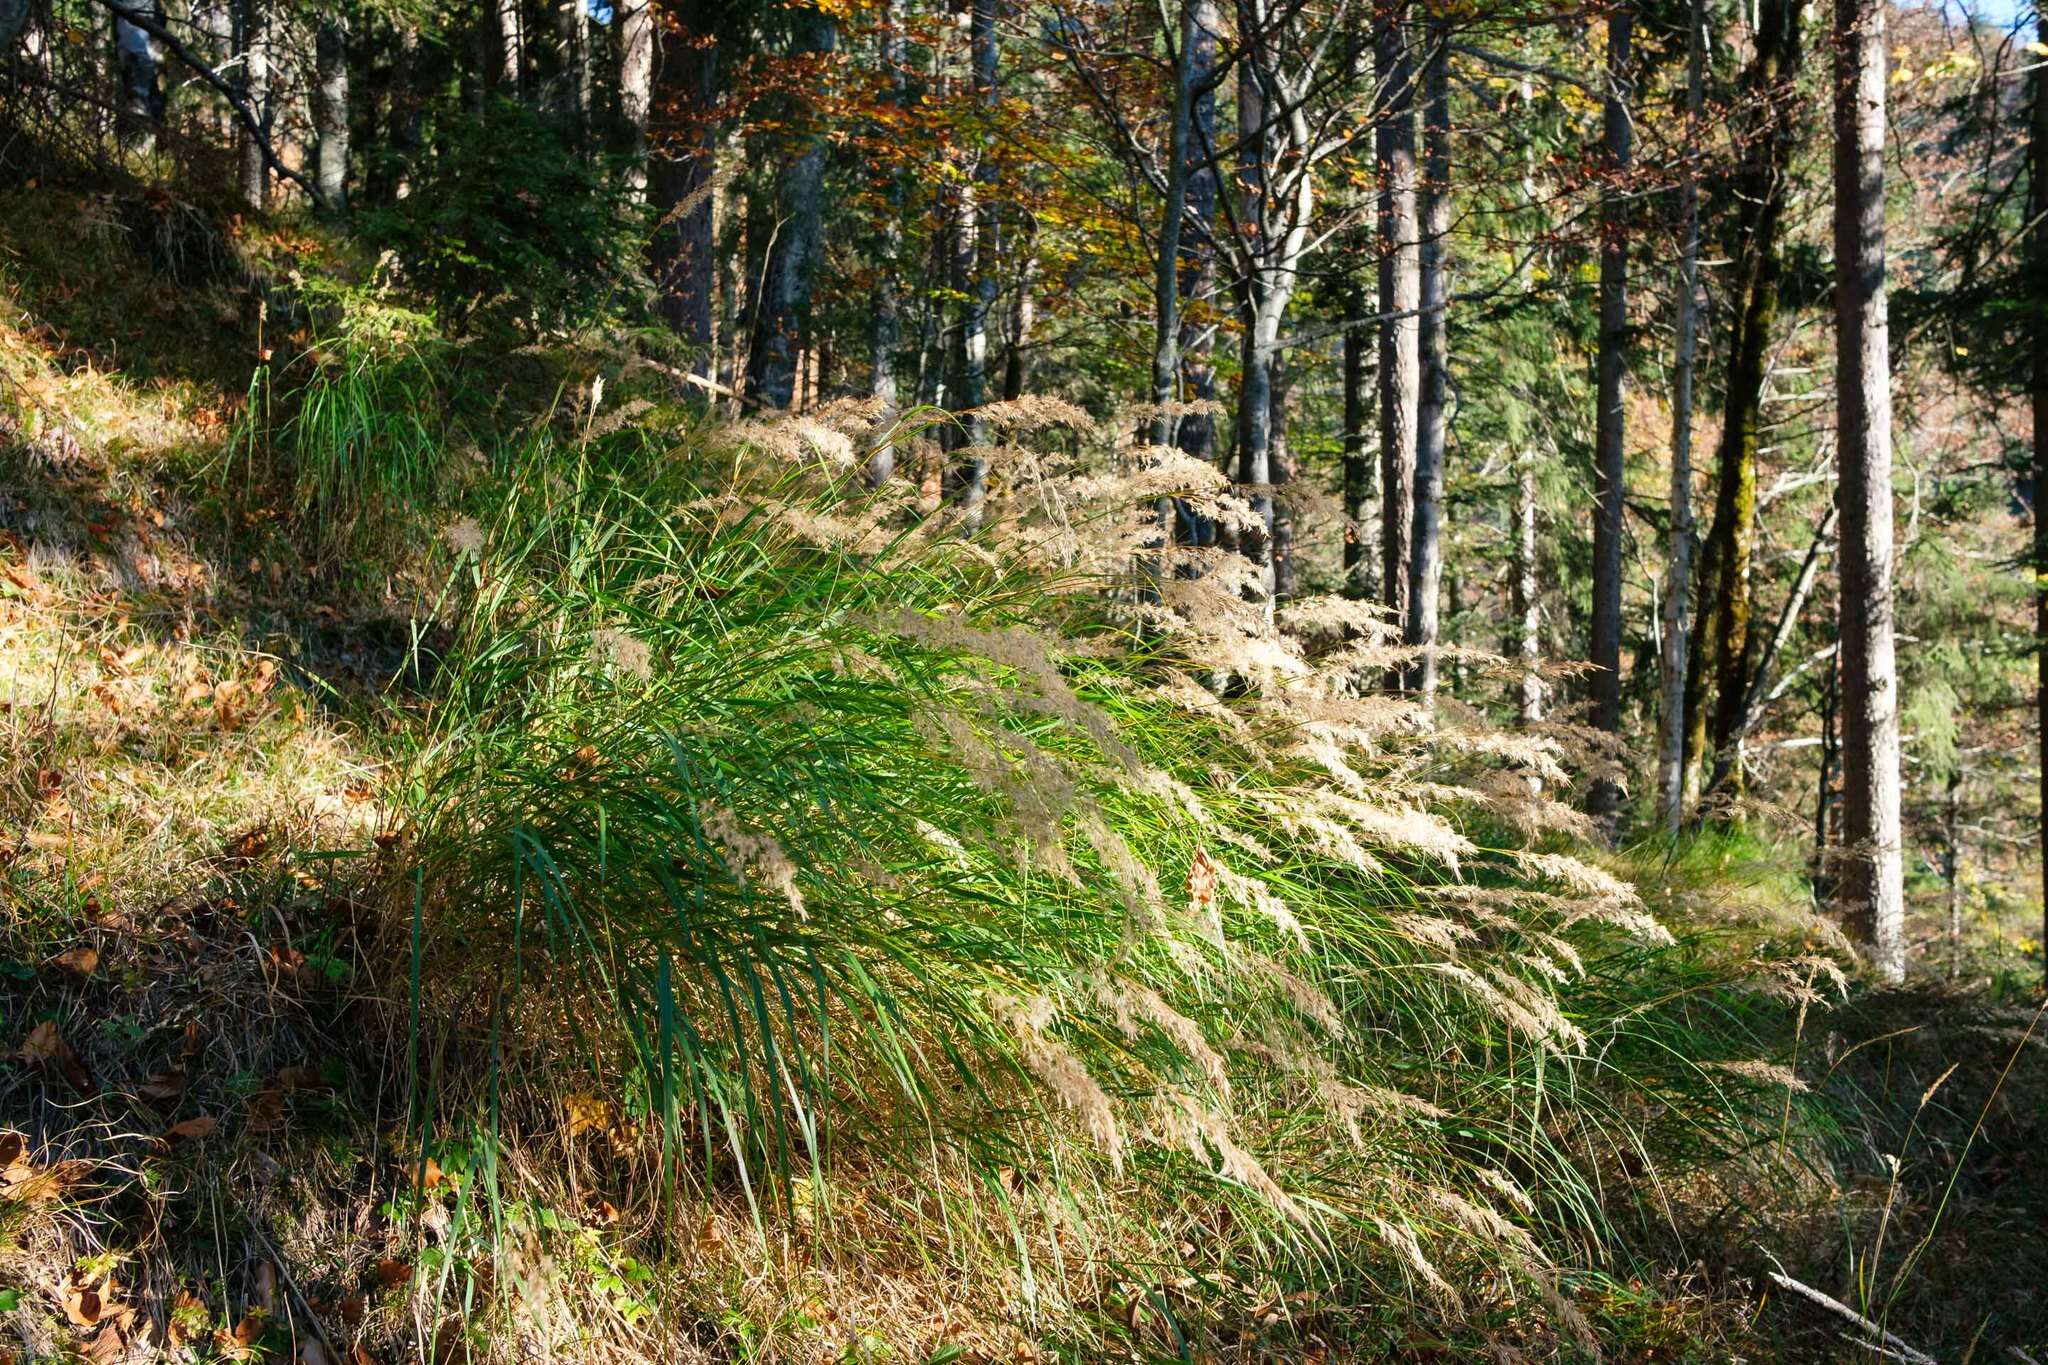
192,781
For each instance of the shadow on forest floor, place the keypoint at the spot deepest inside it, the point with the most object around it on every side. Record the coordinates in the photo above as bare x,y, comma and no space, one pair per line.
190,776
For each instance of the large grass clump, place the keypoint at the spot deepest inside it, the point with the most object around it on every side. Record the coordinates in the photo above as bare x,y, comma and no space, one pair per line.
841,853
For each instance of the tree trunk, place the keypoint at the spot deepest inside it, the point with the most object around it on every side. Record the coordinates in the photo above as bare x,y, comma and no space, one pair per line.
1400,286
786,275
888,293
1361,472
1873,885
330,110
138,63
1678,586
682,165
1610,431
1260,306
1280,470
636,84
1522,587
1426,563
253,84
571,94
1824,796
1023,314
2038,263
511,21
975,268
1197,245
1768,90
1166,278
1952,869
729,216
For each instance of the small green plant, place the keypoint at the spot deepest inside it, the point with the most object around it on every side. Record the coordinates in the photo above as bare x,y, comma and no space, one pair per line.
365,429
510,226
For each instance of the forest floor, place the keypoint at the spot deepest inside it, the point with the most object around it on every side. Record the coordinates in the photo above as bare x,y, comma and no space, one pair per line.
202,964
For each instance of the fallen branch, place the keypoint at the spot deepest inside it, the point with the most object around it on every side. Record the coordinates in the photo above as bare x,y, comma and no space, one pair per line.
1883,1342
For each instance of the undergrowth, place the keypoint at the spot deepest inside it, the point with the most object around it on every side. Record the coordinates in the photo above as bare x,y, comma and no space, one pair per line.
639,891
841,849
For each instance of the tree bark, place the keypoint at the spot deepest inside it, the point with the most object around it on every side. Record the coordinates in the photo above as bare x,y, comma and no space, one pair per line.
1678,584
253,83
1400,286
1873,884
1523,589
1769,96
1426,563
1361,472
636,84
330,110
1257,350
1610,481
1952,869
975,267
1280,468
683,164
511,23
783,308
888,293
1023,315
1824,796
572,92
1166,280
138,63
1197,431
2038,265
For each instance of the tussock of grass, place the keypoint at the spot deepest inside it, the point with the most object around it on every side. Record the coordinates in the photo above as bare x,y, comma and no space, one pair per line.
839,855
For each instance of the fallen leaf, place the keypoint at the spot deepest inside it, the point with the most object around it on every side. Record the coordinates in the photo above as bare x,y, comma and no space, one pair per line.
603,1210
112,1342
350,1310
263,1289
225,712
587,1113
451,1346
191,1130
22,1181
299,1078
266,1110
80,961
391,1272
248,1329
166,1087
430,1175
90,1299
358,1356
46,1047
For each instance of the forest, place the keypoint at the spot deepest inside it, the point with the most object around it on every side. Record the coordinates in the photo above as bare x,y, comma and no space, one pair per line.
970,681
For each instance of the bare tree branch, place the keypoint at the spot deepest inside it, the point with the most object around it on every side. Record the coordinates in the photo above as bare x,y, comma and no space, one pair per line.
155,28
